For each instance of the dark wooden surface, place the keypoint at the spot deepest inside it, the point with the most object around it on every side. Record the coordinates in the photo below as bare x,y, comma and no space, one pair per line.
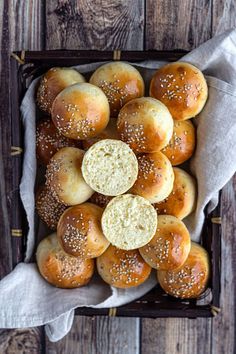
127,24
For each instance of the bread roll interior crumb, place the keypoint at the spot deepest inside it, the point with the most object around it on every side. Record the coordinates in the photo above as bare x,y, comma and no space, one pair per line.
129,221
110,167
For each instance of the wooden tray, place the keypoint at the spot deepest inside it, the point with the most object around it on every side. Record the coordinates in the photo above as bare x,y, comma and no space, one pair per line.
25,66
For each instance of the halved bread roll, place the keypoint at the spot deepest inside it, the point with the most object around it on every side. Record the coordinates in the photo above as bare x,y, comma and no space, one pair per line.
129,221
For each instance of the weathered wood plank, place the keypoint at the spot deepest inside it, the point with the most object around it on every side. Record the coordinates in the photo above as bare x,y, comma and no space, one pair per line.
96,25
116,24
176,336
20,28
27,24
223,326
223,15
99,335
177,24
5,134
28,341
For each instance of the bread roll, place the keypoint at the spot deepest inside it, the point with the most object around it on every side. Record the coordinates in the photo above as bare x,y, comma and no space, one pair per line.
181,87
110,132
129,221
52,83
190,280
64,178
110,167
79,231
61,269
120,82
48,207
155,177
80,111
170,246
182,144
145,124
182,200
49,140
122,269
100,199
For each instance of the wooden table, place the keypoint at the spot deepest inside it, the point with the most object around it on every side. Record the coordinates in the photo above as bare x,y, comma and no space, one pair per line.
114,24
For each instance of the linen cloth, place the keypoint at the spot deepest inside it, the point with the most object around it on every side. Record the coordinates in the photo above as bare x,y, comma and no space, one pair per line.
26,299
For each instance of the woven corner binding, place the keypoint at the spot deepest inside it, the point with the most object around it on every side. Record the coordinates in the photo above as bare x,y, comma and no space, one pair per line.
215,310
112,312
16,232
116,55
16,150
21,59
216,220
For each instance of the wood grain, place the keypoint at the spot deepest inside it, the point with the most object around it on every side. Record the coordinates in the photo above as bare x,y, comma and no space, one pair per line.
223,15
95,335
87,24
172,335
95,24
223,326
5,135
27,341
177,24
20,23
27,24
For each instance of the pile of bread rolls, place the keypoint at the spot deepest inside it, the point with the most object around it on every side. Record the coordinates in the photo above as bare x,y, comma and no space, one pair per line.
113,195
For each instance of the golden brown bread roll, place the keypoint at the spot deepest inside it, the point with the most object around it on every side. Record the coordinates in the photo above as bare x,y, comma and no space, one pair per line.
110,167
49,140
129,221
110,132
145,124
122,269
182,144
190,280
100,199
155,177
48,207
64,177
52,83
120,82
79,231
80,111
182,200
181,87
61,269
170,246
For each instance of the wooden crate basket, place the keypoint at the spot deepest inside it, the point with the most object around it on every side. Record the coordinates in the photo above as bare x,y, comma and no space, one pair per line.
25,66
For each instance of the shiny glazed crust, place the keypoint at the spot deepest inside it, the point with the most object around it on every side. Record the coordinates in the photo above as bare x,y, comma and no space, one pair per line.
145,124
155,177
122,269
182,144
48,207
190,280
61,269
52,83
80,111
181,87
79,231
120,82
64,177
49,140
170,246
182,200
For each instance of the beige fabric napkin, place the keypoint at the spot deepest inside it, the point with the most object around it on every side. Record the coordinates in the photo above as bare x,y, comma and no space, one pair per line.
25,298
